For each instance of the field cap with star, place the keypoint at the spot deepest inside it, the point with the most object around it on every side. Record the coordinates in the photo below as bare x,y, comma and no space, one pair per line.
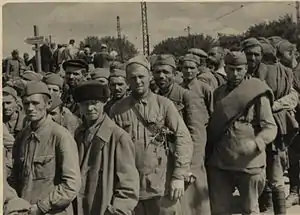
140,60
36,87
100,73
235,58
191,57
199,52
54,79
165,59
250,42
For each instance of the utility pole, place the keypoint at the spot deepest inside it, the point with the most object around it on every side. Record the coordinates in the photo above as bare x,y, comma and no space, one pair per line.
188,29
119,38
297,19
37,51
145,33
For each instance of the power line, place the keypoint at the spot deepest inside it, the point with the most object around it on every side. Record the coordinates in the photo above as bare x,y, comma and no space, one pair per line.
226,14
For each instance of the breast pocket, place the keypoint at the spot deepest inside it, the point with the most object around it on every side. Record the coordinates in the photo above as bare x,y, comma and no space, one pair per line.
44,167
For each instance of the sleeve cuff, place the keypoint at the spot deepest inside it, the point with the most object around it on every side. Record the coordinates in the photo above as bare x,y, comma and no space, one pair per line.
44,206
260,144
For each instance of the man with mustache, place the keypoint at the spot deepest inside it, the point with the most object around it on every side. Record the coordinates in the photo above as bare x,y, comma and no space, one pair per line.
46,169
118,87
158,132
109,175
13,116
190,108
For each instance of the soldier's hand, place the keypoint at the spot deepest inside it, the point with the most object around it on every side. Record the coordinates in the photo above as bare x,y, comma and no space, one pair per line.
250,148
177,189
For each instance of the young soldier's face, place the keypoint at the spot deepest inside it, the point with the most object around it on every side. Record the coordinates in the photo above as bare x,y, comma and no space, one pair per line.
118,86
9,105
288,58
254,56
36,106
138,78
91,110
236,74
189,70
54,89
56,114
164,76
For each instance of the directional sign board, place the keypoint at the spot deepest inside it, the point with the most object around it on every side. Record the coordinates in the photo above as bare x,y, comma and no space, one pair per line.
35,40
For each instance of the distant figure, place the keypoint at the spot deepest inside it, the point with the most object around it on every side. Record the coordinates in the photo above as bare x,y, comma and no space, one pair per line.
71,51
103,58
46,58
15,65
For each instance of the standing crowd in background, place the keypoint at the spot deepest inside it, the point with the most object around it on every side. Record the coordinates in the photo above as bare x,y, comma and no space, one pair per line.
155,135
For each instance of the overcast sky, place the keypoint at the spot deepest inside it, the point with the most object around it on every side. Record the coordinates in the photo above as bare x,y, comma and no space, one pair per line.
78,20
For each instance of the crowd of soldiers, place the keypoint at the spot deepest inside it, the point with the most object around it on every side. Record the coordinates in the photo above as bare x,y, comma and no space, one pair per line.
154,135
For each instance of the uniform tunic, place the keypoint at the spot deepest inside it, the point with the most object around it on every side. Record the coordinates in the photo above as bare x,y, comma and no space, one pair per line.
45,170
152,160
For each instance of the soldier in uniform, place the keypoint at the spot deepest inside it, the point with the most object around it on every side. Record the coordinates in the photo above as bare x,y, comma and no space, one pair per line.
156,129
239,130
62,115
216,64
202,90
15,66
106,152
13,116
280,80
118,87
46,169
54,83
189,106
76,72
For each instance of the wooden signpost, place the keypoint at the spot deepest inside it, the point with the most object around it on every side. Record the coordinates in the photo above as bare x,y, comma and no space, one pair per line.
36,40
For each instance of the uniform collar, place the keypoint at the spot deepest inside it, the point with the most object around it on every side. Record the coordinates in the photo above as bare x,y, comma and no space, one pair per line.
145,99
43,131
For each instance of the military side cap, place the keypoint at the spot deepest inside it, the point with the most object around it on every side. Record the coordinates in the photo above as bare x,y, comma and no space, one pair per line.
267,47
250,42
56,101
36,87
165,59
198,52
31,76
100,73
11,91
191,57
117,73
91,90
139,59
78,63
54,79
274,40
235,58
284,45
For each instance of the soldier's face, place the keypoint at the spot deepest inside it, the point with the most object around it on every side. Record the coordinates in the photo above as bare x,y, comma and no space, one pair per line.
54,89
118,86
235,74
138,78
189,70
73,76
9,105
254,56
216,56
56,114
164,76
288,58
36,106
91,110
